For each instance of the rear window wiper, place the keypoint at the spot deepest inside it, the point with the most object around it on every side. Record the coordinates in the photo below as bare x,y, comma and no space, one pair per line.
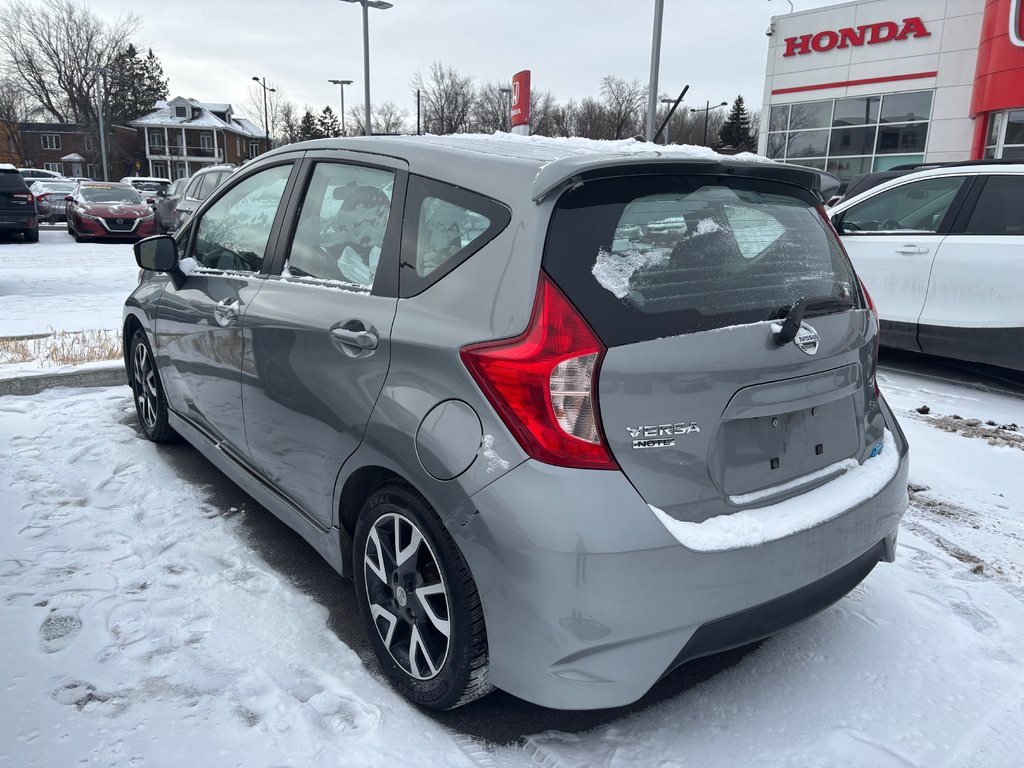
805,307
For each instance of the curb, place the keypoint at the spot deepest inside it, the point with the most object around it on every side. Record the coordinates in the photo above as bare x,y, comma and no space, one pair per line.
34,384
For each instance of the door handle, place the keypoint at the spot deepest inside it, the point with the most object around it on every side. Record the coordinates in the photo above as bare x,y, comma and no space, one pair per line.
361,339
226,311
912,249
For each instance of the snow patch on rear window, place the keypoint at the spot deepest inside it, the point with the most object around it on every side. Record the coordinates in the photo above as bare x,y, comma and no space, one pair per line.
752,527
614,270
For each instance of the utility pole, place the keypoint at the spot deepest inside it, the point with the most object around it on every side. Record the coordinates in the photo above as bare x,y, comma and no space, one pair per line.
342,83
652,88
266,114
100,72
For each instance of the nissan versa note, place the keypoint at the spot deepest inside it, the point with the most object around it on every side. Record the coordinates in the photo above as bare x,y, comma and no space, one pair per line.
569,415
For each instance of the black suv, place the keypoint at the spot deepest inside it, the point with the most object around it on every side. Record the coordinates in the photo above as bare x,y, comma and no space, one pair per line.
17,205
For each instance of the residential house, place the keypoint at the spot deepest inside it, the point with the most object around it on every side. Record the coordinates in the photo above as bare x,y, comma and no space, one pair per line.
182,135
71,149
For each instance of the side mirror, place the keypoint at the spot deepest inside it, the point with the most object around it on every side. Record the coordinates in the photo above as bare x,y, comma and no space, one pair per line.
161,193
150,201
69,198
157,254
837,222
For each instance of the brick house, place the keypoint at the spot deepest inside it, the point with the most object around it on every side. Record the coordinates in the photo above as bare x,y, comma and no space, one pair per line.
71,149
182,135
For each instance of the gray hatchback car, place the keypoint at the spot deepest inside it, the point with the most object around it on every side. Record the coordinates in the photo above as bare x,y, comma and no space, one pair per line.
568,415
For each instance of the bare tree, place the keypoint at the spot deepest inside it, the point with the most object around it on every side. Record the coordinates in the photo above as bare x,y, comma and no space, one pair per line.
592,120
287,123
253,107
543,110
624,102
355,120
446,99
388,118
15,107
492,107
50,47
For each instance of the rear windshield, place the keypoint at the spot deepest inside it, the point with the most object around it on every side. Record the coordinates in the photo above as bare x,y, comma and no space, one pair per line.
12,181
645,257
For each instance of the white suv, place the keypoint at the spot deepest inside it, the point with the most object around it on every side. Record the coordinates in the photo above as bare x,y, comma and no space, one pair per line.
942,253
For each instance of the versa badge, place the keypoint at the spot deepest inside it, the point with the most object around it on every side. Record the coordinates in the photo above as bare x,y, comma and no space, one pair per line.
660,435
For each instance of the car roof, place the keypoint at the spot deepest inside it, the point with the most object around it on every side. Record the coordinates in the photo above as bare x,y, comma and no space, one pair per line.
8,167
105,184
535,166
957,169
133,179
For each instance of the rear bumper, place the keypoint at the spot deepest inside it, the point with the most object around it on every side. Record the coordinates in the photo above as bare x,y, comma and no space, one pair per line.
589,600
18,221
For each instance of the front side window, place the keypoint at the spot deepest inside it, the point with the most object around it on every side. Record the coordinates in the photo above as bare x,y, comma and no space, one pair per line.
341,229
916,207
233,233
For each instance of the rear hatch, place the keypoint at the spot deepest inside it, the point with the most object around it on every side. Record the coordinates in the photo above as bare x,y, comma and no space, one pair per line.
14,195
709,400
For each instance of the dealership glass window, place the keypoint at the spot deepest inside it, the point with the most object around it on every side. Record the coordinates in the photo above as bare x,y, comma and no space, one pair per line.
863,133
807,144
815,114
1005,135
852,141
779,119
810,162
776,145
906,107
909,137
861,111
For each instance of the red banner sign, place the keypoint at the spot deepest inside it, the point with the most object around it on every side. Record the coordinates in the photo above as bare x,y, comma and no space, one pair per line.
866,34
521,98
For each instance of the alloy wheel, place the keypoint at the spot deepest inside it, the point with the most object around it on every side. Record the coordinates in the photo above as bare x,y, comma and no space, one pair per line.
146,397
407,596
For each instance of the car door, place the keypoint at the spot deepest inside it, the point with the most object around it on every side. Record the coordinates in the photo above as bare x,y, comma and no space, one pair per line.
319,331
892,237
974,309
198,323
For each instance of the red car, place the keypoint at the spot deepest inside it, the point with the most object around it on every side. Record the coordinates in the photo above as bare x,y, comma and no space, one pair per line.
109,210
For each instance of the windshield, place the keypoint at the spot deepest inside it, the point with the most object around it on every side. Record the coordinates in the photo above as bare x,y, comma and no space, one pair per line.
110,195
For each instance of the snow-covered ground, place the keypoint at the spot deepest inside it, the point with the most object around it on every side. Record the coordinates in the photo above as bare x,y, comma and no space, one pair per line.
140,626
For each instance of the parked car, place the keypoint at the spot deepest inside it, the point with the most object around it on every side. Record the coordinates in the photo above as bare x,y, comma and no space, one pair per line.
940,251
147,183
570,417
100,209
51,206
34,174
167,204
17,205
200,186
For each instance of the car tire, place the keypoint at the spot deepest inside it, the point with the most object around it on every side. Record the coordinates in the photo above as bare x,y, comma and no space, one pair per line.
418,601
31,235
148,390
78,237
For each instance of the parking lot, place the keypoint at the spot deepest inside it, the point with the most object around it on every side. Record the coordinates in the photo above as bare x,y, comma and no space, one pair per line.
144,596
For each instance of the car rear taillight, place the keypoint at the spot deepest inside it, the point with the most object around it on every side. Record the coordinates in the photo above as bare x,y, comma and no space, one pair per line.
542,383
878,337
26,196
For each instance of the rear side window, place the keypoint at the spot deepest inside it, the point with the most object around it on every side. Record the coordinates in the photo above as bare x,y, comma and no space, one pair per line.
648,257
445,225
999,210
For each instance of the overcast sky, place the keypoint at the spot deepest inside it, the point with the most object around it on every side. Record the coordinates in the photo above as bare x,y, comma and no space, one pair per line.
210,49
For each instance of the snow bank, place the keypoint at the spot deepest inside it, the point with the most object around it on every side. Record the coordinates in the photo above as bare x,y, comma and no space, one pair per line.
751,527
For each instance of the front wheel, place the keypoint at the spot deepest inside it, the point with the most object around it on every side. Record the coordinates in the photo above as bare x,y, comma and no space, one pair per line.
418,601
147,391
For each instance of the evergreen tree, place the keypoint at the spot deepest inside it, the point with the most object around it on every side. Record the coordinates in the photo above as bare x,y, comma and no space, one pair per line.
328,123
133,85
308,127
735,131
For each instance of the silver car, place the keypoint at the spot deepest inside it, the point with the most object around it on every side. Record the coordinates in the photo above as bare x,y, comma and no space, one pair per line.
568,416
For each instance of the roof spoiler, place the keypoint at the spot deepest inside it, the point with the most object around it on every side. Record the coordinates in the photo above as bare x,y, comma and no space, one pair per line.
569,171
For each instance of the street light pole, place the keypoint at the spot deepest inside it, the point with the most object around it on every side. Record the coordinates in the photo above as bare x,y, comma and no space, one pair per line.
367,5
667,124
652,88
342,83
266,114
100,72
707,109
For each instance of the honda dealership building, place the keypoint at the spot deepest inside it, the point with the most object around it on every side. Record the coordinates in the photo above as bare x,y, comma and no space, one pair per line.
870,85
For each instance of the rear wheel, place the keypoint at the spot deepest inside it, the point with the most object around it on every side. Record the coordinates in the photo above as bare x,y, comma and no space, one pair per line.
418,601
31,235
148,392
